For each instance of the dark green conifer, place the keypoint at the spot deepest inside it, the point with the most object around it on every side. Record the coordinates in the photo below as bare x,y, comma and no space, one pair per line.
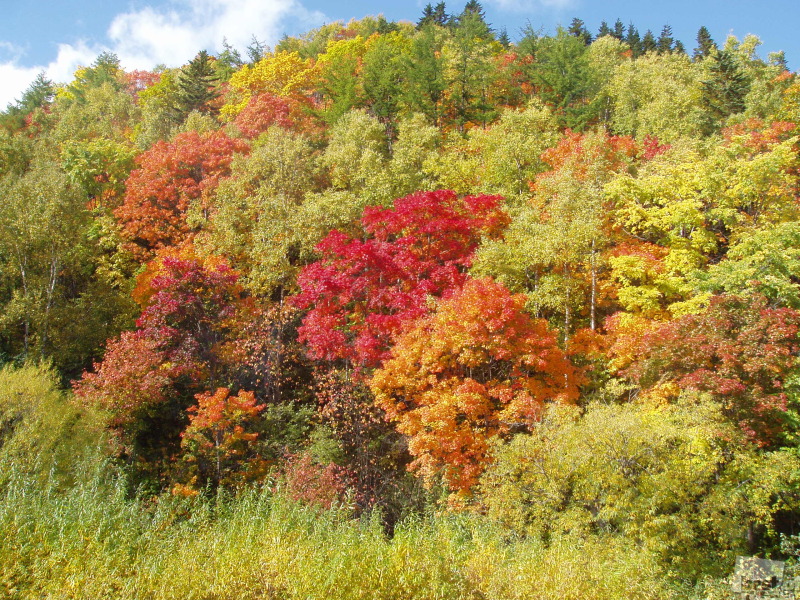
503,38
578,29
619,30
649,42
725,89
665,40
633,40
440,16
427,16
39,94
256,50
705,44
196,86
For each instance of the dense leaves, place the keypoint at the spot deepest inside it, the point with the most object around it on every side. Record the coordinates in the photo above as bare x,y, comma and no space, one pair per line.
362,292
172,178
477,368
556,277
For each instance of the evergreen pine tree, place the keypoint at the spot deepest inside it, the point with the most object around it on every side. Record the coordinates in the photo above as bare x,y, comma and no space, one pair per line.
649,42
474,7
705,45
619,30
385,26
725,90
665,40
440,16
633,40
196,86
604,30
578,29
228,62
427,16
503,38
679,48
256,50
40,93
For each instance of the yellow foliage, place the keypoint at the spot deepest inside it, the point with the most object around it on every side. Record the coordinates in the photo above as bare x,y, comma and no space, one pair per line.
283,74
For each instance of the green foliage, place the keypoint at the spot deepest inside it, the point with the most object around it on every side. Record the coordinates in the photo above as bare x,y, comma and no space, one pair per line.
652,206
39,94
565,79
196,87
44,436
726,87
766,262
258,218
658,95
47,267
674,480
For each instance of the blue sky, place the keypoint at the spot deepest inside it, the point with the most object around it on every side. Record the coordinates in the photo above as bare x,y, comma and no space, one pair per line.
59,35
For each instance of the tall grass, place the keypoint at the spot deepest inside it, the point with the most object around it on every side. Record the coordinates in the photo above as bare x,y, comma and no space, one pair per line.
68,529
94,543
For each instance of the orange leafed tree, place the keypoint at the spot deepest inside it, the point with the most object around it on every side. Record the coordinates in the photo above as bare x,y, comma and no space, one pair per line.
220,437
172,175
478,367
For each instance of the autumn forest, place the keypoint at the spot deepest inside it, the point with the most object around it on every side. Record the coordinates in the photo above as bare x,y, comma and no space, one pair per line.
403,310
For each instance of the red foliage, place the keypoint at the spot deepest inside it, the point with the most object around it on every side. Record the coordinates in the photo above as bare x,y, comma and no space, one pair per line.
172,175
362,292
266,110
137,80
262,112
652,148
761,137
313,483
739,350
218,440
132,378
190,311
176,348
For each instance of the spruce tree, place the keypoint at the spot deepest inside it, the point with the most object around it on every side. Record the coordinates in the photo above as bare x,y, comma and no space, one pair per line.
196,87
725,90
474,7
705,44
427,16
619,30
503,38
578,29
604,30
665,40
39,94
440,16
633,40
649,42
228,61
256,50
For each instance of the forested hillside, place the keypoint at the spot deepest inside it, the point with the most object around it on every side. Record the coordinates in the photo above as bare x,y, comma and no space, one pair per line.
473,317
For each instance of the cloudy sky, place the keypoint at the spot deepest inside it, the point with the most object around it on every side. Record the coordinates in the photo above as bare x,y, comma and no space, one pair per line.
58,36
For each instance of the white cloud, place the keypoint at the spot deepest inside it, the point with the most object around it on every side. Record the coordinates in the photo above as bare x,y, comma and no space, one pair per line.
16,79
169,35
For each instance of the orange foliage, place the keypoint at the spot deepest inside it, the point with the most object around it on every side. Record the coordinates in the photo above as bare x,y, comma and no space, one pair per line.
613,151
477,368
219,437
172,175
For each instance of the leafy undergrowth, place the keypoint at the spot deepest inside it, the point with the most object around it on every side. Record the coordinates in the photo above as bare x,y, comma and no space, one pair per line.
92,542
71,528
